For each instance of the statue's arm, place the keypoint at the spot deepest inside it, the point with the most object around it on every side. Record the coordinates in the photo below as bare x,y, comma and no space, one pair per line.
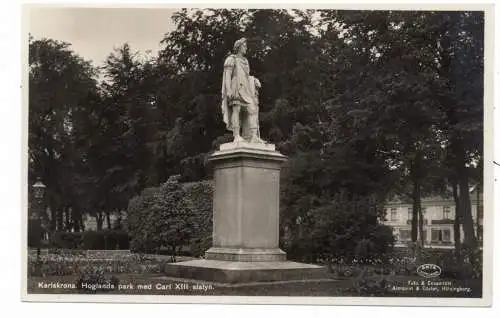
228,74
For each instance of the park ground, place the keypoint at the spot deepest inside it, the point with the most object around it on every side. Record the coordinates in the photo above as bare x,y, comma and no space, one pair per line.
125,269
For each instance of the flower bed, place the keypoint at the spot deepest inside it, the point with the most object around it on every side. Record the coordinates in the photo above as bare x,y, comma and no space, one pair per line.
74,263
403,263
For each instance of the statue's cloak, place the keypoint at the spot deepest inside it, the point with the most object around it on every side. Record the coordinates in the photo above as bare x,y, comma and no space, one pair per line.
242,84
226,111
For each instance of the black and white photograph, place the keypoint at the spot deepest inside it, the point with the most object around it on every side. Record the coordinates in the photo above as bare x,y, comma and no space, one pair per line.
319,155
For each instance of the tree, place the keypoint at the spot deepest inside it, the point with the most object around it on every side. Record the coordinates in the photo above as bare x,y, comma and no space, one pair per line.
61,84
121,156
405,90
192,61
461,95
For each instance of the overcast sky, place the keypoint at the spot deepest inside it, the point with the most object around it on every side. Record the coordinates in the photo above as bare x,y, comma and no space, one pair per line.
94,32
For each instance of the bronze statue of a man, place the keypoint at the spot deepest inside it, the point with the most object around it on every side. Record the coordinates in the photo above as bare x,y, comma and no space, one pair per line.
240,102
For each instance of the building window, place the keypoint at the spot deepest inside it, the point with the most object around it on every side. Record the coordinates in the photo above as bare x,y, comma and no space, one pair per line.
446,212
446,235
394,214
424,210
436,235
410,213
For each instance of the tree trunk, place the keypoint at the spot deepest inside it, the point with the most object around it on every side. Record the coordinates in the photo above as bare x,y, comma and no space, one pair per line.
172,257
53,216
456,223
416,222
468,222
421,224
76,220
60,223
67,220
464,206
99,220
108,219
53,219
80,221
415,214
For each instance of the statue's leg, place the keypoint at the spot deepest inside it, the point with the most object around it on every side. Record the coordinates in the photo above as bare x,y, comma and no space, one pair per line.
253,122
245,125
235,121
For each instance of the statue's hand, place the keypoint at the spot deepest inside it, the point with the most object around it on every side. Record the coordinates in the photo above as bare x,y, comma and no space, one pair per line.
257,83
228,94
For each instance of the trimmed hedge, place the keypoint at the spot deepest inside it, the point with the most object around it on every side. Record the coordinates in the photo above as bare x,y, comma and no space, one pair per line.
92,240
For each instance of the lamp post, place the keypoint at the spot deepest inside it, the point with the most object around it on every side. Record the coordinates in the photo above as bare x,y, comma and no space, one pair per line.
38,192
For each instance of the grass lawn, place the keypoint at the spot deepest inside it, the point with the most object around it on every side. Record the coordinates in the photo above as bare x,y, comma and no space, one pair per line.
161,285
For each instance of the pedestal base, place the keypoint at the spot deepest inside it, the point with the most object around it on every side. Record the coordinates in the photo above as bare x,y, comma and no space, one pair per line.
244,272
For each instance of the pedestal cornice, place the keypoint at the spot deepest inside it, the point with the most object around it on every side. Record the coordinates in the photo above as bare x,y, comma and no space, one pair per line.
231,151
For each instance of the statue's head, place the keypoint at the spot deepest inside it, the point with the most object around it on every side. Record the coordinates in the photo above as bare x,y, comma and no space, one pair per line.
240,46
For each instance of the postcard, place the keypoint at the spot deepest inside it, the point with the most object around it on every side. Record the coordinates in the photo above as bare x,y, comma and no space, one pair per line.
262,154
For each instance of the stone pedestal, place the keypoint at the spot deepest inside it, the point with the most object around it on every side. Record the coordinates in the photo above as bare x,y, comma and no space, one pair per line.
245,221
246,203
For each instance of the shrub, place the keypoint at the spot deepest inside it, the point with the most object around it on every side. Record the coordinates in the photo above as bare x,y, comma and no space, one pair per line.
469,267
161,217
473,261
142,239
106,240
67,240
175,218
383,240
364,249
340,229
201,195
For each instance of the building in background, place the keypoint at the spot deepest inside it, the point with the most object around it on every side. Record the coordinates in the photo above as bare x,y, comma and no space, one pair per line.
439,216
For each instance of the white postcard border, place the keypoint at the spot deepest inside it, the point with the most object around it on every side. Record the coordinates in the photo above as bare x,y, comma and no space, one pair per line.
488,195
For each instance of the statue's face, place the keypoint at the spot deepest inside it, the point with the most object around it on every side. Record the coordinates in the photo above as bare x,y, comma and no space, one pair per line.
243,48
